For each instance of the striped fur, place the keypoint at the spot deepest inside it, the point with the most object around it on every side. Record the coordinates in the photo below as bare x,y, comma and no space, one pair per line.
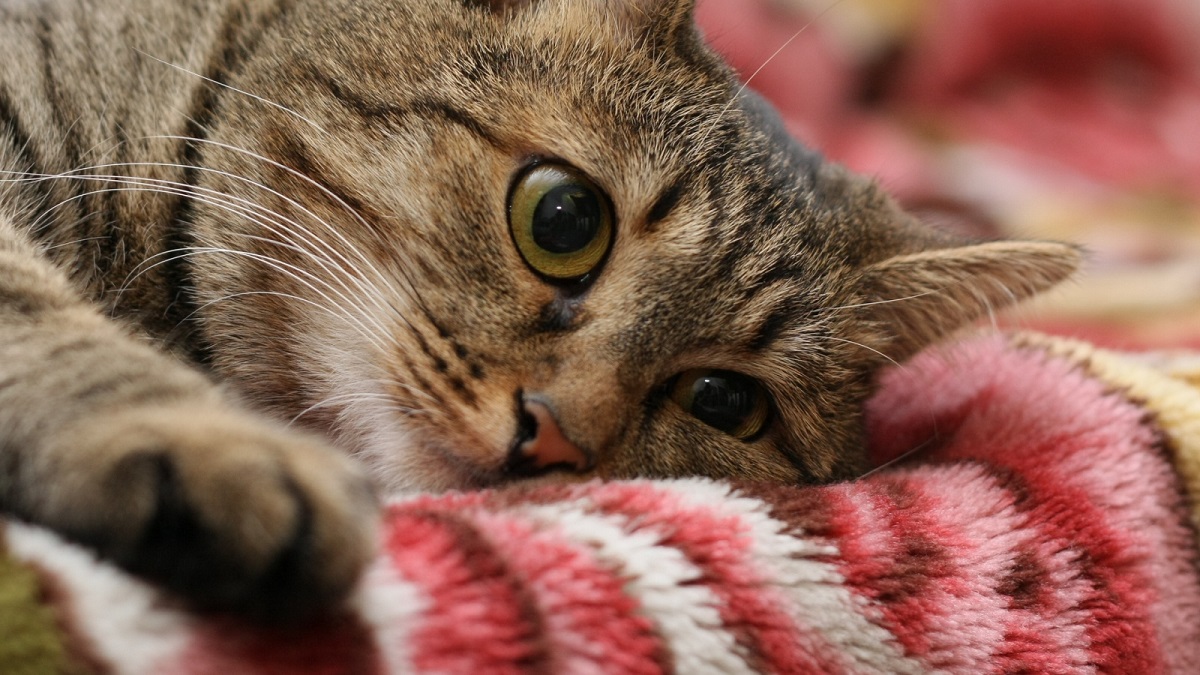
304,201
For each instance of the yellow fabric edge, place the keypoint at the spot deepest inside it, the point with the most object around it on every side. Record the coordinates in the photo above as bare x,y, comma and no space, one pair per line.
31,642
1169,395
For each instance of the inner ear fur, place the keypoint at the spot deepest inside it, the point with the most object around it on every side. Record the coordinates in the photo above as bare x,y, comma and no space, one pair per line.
918,298
662,20
498,7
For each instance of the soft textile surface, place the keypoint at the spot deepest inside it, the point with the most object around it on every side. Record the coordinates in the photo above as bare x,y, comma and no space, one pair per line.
1042,524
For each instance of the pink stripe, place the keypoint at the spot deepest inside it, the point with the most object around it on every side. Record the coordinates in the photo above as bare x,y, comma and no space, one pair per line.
749,607
1052,410
985,620
476,621
886,559
591,624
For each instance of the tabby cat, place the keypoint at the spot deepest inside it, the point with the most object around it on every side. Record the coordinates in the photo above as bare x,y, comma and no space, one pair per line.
467,242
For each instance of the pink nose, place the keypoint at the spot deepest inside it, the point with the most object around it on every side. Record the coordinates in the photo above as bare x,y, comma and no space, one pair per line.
549,446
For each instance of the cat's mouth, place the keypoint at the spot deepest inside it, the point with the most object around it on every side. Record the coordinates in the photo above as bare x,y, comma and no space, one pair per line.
515,469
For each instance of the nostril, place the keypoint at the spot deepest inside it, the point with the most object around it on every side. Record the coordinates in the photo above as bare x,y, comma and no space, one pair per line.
527,427
541,445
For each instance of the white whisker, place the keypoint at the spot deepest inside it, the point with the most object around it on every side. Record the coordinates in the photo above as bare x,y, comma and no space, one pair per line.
880,302
770,58
363,258
256,97
898,458
186,190
358,397
293,273
231,204
281,294
870,349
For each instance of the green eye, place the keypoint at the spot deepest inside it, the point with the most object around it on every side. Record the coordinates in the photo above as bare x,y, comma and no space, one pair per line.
560,221
729,401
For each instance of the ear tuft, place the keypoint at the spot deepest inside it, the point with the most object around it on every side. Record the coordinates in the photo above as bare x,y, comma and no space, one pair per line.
670,17
918,298
662,22
498,7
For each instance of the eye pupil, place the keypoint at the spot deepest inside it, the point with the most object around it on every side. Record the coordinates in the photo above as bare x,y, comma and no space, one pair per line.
567,219
722,401
729,401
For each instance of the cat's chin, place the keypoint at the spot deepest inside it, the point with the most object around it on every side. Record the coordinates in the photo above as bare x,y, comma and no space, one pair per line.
421,469
405,461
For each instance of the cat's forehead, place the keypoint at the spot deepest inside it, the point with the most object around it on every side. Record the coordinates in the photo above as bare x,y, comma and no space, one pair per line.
649,126
706,182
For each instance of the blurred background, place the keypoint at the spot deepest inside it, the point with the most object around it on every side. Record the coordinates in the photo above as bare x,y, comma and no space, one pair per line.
1076,120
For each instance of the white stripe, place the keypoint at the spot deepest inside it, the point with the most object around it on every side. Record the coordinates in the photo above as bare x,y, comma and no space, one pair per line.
124,620
392,608
661,578
817,596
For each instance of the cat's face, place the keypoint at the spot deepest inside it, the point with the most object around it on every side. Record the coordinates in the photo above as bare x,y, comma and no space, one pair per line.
557,208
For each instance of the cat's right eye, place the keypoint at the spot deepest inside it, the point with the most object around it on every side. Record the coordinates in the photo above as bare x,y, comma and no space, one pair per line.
731,402
561,222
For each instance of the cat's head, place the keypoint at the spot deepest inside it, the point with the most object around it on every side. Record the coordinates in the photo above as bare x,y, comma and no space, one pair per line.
509,235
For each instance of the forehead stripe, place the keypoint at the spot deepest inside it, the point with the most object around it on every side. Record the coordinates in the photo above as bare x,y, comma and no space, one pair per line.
394,114
665,203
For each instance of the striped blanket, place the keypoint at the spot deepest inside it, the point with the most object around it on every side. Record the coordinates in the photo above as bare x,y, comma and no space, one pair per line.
1039,518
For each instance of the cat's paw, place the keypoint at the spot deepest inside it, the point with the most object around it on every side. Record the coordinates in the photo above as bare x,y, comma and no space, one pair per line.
226,510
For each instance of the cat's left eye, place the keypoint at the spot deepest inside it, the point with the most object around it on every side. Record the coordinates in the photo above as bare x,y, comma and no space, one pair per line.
731,402
561,221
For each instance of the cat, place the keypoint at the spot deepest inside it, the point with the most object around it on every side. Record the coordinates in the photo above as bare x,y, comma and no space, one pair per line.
470,243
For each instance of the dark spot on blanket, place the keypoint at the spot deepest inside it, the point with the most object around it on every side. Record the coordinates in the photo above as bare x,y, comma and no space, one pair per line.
807,511
918,561
1024,581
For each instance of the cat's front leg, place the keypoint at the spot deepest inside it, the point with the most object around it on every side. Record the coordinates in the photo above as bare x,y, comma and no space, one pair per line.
118,446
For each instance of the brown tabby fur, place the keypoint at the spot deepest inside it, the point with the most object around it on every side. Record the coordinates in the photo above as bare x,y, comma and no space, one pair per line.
305,200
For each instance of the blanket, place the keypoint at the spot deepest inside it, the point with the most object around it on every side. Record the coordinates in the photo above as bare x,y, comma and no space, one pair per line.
1034,510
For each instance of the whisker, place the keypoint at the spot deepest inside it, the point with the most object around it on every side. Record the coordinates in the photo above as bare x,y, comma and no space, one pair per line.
187,190
880,302
897,459
358,397
413,295
232,88
870,349
288,296
770,58
230,204
293,273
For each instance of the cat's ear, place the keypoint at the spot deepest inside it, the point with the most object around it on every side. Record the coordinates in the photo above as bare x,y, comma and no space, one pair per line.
662,16
660,22
917,298
664,20
497,6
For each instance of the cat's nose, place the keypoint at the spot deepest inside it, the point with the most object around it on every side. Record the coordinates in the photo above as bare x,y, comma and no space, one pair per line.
542,445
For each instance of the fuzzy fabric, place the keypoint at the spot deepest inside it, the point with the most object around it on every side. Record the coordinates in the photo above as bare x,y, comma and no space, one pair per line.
1041,518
